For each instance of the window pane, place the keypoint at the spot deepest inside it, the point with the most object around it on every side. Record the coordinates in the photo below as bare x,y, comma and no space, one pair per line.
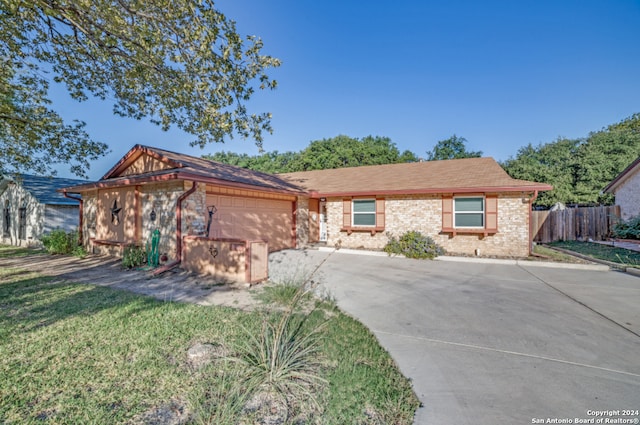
469,220
469,204
364,219
367,205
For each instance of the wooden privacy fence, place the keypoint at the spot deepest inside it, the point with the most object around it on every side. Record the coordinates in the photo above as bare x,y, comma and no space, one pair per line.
574,224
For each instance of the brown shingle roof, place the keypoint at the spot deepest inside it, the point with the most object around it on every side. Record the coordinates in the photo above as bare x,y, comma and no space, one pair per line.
457,175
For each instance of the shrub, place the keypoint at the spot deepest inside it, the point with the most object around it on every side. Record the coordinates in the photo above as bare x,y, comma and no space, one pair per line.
133,256
629,229
60,242
413,244
284,355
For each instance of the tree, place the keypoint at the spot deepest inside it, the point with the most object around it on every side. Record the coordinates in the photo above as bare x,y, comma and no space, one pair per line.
553,163
451,148
578,169
176,62
336,152
343,151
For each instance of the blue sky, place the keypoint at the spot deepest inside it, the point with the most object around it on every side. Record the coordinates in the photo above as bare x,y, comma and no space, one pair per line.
501,74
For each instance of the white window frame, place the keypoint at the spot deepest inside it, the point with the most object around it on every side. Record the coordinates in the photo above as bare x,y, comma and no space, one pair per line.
483,212
353,212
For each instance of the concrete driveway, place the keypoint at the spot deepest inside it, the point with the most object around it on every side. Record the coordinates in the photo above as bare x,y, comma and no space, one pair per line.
493,343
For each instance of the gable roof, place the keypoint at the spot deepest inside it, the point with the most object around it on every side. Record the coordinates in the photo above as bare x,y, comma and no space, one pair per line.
44,189
187,167
623,176
469,175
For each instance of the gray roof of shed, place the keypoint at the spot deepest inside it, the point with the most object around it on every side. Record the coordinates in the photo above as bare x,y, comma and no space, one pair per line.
44,189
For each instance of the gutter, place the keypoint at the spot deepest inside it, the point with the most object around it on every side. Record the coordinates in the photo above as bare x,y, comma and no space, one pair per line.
178,259
80,212
466,190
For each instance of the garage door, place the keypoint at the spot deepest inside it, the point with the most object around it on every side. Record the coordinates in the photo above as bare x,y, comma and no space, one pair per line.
252,218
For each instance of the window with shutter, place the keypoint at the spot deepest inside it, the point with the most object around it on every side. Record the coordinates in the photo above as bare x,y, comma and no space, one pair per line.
363,214
470,214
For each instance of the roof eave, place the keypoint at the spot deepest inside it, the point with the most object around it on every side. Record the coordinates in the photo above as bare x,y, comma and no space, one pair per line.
106,183
480,189
175,175
620,178
212,180
132,155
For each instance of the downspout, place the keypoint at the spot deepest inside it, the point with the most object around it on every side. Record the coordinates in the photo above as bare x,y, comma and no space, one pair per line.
178,259
531,201
80,221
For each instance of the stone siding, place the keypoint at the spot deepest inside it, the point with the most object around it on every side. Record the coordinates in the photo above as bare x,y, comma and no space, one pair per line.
89,217
162,198
424,214
628,196
302,222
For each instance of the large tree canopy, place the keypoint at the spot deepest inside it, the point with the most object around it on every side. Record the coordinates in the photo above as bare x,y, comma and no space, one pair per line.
336,152
452,148
177,62
579,169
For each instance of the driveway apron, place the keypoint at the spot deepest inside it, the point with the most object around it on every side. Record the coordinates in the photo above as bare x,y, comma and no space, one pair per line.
489,343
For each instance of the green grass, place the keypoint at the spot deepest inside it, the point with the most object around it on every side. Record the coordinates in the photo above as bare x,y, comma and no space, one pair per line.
621,256
78,353
18,251
554,255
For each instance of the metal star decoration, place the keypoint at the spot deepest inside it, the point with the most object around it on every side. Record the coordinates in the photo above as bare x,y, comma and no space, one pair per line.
115,211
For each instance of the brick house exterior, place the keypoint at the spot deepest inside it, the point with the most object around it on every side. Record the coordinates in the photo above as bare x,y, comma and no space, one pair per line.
202,208
626,189
192,202
431,197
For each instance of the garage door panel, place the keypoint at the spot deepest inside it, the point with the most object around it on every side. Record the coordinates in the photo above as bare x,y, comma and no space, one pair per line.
251,218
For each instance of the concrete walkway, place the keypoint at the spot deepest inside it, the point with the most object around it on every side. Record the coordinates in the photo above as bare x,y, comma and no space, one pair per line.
175,285
488,343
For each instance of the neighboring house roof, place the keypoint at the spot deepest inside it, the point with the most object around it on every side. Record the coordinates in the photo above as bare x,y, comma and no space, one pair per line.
44,189
451,176
186,167
623,176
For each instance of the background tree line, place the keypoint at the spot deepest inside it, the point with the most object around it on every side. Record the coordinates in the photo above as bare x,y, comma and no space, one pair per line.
342,151
578,169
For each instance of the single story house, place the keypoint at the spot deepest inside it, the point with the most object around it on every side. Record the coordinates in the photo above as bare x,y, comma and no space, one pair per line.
31,206
468,206
208,212
626,189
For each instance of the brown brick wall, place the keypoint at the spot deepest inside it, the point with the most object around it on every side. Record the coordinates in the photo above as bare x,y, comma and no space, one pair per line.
424,213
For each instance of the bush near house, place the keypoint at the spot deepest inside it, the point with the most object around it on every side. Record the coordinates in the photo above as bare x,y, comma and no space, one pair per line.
60,242
413,244
133,256
629,229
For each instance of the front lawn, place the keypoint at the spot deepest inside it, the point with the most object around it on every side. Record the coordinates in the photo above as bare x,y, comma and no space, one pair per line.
79,353
18,251
624,257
